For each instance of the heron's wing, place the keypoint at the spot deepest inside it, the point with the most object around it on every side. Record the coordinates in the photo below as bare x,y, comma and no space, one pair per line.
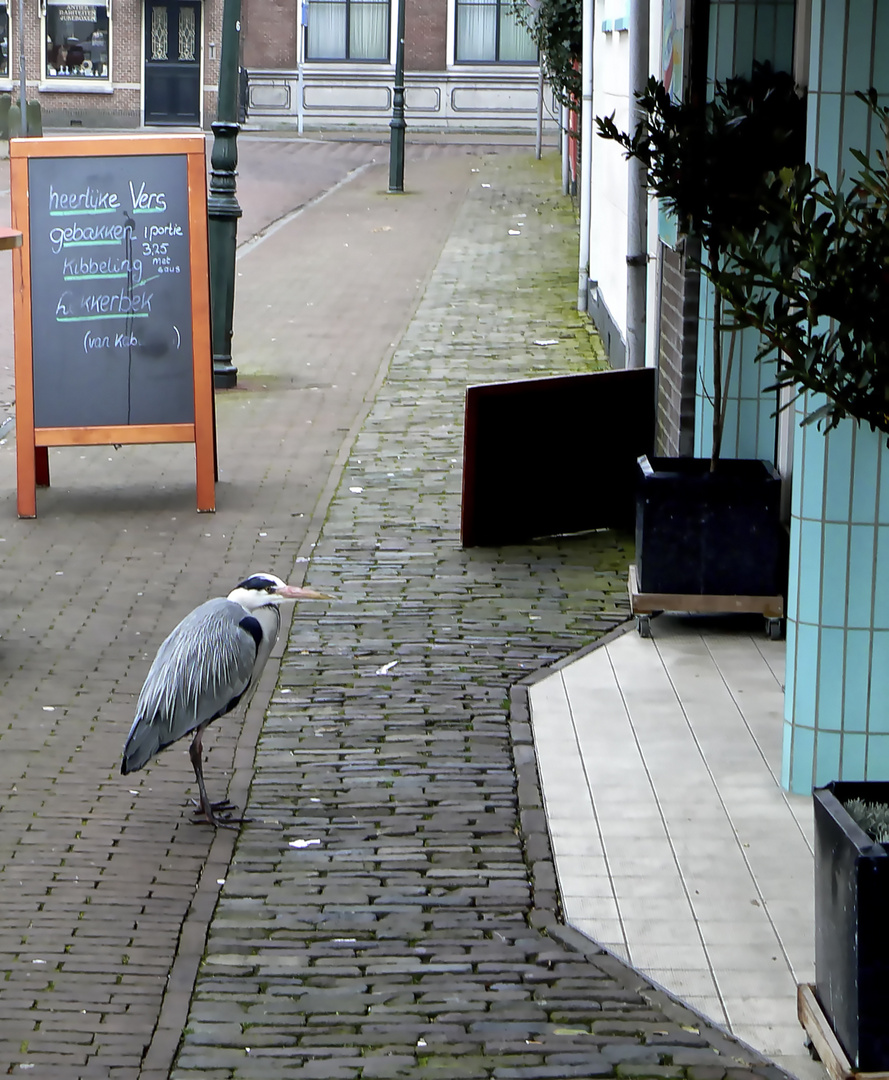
200,672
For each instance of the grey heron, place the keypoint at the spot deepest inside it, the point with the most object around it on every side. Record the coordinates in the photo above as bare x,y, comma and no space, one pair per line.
209,664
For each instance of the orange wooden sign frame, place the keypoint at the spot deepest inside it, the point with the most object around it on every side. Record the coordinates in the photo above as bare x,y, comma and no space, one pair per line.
32,455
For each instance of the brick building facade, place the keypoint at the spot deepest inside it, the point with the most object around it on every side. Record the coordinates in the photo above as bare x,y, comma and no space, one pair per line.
117,66
330,63
131,63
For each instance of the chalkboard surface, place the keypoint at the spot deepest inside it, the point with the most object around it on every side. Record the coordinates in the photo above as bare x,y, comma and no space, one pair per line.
111,304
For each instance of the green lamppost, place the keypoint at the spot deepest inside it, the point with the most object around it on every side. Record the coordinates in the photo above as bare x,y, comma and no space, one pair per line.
223,208
397,124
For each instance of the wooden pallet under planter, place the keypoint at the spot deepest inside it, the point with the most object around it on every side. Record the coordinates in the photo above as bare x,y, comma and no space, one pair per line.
824,1041
644,605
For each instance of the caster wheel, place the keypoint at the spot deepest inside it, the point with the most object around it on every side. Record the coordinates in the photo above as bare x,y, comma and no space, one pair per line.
774,629
643,625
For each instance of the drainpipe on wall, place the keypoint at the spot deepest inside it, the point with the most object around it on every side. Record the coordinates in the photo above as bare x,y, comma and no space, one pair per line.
563,130
637,195
538,142
586,149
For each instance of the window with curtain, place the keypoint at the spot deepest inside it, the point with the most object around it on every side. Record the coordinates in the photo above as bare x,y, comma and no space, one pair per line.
78,38
4,41
348,30
489,32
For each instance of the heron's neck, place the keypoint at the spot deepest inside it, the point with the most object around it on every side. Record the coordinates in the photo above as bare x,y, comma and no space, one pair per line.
269,618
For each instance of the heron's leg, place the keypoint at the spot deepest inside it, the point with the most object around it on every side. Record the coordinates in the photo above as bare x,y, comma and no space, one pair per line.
207,808
195,752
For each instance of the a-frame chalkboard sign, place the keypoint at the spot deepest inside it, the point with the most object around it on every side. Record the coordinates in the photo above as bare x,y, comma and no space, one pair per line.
111,300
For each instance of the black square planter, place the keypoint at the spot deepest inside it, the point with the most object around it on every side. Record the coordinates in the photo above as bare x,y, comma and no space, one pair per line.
709,533
851,931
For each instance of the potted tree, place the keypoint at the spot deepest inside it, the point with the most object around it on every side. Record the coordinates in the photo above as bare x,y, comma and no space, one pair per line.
712,528
811,278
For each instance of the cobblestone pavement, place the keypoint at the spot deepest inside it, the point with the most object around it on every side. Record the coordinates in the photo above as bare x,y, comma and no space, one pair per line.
391,909
99,913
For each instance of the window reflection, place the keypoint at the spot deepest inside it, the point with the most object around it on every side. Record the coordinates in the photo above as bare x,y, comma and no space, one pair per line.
4,41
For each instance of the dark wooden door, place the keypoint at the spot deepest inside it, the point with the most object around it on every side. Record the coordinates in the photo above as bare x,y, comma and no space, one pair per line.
173,62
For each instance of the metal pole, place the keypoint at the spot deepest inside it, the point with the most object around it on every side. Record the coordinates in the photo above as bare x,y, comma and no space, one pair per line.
397,123
300,65
22,80
222,205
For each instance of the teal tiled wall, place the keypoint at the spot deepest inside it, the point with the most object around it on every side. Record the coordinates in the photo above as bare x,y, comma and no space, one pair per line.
837,683
837,686
741,32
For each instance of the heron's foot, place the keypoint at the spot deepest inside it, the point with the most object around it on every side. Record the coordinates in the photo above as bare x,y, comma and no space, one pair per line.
218,814
223,806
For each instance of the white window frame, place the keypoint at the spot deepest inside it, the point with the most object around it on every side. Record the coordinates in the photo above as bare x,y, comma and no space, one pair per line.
521,65
390,37
75,84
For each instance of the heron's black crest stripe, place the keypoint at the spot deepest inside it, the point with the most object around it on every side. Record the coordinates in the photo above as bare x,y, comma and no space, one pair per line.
253,628
258,582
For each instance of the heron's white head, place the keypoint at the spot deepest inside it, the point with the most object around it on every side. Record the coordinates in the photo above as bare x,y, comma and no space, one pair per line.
260,590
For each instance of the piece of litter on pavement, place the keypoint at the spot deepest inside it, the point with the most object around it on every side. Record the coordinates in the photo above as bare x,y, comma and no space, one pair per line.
386,668
486,185
303,843
356,490
515,232
547,341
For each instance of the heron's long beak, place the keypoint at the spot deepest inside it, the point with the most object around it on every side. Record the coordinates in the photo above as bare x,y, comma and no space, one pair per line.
295,592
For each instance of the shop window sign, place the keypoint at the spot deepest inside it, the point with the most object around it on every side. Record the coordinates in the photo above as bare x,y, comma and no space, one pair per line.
77,40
